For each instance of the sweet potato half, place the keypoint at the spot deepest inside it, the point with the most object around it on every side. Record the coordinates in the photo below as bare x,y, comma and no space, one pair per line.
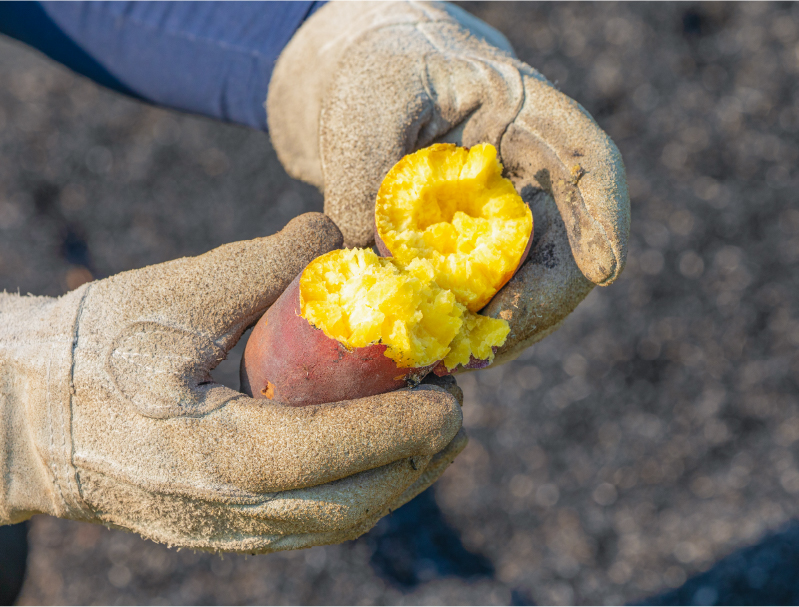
452,231
451,206
290,361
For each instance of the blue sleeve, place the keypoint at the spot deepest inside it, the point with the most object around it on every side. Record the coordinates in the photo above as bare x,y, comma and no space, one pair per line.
209,58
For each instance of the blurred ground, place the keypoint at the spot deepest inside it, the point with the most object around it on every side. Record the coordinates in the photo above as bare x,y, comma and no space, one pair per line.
654,434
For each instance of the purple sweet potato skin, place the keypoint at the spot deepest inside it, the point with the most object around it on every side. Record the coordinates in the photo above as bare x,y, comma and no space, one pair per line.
290,362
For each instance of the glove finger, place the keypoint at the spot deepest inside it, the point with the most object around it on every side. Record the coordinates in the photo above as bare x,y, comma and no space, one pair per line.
218,294
356,154
436,466
246,448
555,144
547,288
323,514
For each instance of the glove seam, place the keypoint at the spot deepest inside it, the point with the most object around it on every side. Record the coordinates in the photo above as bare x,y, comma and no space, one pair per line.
423,8
518,111
53,461
75,503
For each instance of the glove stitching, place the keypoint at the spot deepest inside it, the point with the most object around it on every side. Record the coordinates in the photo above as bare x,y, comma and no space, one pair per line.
53,460
64,505
72,475
156,407
518,111
423,7
66,483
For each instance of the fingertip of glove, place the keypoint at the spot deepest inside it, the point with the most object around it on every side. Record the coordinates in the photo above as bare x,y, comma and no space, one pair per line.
611,208
428,393
446,383
432,388
601,266
602,262
445,407
317,230
428,388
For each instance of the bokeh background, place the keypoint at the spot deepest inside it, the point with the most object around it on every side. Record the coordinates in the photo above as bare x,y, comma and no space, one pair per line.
654,435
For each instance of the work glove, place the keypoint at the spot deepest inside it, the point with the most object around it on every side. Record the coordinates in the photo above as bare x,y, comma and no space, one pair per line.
110,414
362,84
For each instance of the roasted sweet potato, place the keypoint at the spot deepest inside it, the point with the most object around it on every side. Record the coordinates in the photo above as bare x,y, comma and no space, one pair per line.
354,324
452,231
290,361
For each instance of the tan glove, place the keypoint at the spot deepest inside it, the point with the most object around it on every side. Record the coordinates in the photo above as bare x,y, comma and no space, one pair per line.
110,415
362,84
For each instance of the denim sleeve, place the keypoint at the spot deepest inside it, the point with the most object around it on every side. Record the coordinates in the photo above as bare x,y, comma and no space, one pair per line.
209,58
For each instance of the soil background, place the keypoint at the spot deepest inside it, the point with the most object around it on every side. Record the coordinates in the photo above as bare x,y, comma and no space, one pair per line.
653,435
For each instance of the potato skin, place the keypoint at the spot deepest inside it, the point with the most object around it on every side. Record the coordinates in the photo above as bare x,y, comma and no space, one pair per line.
289,361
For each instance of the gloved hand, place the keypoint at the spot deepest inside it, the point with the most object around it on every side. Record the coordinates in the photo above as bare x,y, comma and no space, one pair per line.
362,84
110,415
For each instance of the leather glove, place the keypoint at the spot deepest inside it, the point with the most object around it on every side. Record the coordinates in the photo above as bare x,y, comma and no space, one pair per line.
362,84
110,414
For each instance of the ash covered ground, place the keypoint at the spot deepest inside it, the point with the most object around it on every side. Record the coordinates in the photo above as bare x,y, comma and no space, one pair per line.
652,436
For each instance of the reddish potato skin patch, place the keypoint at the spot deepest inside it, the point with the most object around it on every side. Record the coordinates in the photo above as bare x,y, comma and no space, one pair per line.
289,361
381,246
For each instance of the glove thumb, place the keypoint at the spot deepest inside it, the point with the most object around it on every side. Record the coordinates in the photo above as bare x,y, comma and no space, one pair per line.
219,294
237,282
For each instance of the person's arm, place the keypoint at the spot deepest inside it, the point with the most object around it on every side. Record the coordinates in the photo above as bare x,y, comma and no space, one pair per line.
209,58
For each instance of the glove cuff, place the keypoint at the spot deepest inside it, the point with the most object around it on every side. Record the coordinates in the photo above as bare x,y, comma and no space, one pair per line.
37,335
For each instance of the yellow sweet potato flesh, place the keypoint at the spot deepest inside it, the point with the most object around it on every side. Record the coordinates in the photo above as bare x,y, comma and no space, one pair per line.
361,299
452,207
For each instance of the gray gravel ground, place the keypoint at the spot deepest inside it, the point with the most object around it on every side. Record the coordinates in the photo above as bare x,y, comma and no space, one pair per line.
653,435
